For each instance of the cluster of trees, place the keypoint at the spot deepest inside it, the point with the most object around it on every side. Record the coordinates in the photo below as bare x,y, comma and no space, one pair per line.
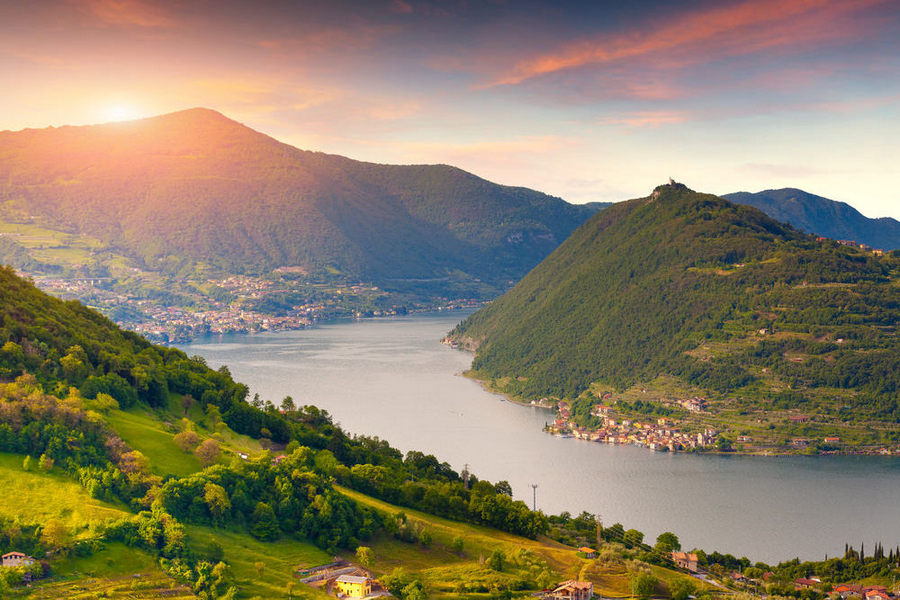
163,536
473,501
40,425
270,499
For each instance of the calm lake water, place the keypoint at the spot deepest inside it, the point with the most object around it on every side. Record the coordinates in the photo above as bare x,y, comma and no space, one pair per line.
392,378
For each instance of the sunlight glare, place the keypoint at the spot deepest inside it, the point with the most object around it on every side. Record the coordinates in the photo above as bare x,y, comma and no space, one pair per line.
120,112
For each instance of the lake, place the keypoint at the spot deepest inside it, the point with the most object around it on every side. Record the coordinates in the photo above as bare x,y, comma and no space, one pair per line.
392,378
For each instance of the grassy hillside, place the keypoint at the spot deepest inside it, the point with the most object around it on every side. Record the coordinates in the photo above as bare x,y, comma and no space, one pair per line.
197,187
646,288
37,496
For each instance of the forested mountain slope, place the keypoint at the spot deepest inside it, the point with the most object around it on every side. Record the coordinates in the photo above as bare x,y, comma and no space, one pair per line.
195,185
643,286
815,214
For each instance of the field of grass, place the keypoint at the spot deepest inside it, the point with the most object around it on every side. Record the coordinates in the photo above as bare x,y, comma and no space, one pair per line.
117,571
36,496
141,430
442,570
52,246
280,558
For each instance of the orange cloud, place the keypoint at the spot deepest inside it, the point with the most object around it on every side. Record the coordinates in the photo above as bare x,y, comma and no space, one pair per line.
647,118
741,29
128,13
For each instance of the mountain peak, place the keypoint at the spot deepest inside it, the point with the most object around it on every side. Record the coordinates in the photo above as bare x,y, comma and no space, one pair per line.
671,186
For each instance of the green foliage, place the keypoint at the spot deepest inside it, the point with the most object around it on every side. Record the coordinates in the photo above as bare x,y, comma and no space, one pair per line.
264,524
496,560
644,584
667,542
645,282
681,589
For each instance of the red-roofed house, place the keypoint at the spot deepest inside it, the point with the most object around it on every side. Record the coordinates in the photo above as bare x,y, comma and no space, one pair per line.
877,595
573,590
16,559
685,561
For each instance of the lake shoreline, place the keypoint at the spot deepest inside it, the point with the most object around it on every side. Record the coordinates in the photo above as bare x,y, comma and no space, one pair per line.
391,378
571,430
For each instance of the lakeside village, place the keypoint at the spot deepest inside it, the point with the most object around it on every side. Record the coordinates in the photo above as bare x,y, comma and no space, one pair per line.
662,435
161,323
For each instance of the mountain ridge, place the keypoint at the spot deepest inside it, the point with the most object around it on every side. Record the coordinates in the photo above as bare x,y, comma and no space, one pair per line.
646,287
816,214
196,184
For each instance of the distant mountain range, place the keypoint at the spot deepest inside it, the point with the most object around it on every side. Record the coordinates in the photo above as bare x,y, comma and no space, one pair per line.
690,286
828,218
197,186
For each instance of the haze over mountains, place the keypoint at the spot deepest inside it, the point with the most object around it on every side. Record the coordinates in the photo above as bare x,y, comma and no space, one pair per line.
196,185
828,218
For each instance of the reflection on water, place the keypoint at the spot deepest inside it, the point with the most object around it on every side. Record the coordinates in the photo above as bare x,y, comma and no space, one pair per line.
392,379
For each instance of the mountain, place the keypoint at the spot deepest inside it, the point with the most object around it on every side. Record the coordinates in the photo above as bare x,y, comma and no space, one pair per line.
688,285
196,185
815,214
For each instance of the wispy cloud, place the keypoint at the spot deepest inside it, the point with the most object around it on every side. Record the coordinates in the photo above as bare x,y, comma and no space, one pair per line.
129,13
647,118
735,30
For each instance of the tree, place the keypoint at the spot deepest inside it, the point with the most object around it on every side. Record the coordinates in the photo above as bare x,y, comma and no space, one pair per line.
54,534
187,440
504,488
425,538
45,463
26,464
495,561
187,401
364,556
208,452
217,501
667,542
633,538
643,585
681,589
260,566
287,405
264,524
413,591
213,416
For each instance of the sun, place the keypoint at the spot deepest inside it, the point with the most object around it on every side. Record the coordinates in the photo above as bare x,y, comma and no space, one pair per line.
120,112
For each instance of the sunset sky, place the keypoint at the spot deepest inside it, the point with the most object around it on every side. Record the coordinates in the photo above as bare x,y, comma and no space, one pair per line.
583,100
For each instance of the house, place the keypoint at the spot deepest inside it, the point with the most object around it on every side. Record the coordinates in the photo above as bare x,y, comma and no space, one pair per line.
573,590
848,590
685,560
877,595
799,418
832,440
16,559
588,552
803,583
353,586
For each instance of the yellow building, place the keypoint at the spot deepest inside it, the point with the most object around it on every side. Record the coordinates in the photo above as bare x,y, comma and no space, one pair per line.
353,586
